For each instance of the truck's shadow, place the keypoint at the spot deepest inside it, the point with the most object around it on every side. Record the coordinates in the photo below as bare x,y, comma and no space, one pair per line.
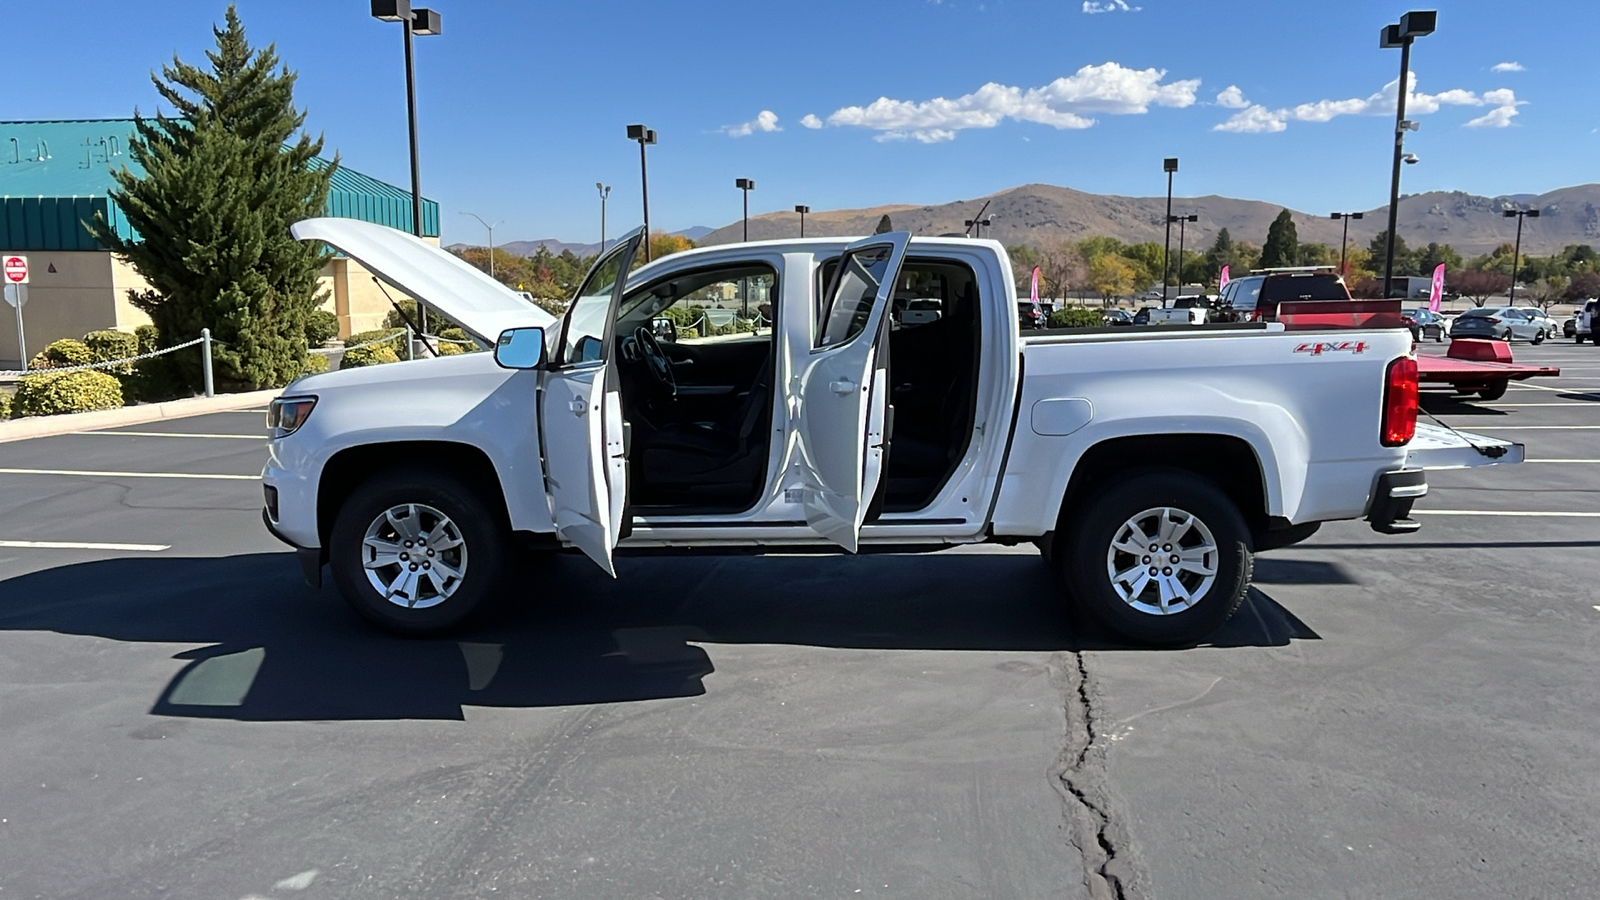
275,649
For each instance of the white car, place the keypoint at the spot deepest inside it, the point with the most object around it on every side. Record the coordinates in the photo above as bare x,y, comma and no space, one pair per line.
1539,316
1147,464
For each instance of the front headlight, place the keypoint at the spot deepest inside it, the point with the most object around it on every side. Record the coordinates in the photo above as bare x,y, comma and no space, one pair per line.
286,414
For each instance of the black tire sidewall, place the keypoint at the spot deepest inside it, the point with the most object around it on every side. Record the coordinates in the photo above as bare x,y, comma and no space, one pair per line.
480,528
1083,561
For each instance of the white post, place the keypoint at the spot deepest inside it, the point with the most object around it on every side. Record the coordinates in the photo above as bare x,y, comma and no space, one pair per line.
205,361
22,341
411,341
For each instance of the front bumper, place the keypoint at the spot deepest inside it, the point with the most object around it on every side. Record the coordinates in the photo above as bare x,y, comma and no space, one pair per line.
1390,512
311,559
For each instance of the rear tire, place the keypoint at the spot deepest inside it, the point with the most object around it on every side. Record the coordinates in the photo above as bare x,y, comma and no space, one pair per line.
449,551
1185,516
1494,391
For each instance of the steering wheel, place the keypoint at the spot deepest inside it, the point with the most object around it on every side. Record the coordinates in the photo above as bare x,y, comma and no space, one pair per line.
656,361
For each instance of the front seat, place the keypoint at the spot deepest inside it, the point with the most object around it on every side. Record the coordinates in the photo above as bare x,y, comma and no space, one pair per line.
685,454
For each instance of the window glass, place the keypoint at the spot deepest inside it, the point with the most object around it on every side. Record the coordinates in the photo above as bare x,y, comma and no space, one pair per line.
1304,287
855,288
585,335
1246,293
707,304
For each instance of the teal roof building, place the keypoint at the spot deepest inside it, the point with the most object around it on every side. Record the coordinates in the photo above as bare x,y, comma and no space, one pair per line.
55,175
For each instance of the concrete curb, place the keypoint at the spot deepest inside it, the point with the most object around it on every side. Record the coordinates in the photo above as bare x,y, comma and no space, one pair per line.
44,426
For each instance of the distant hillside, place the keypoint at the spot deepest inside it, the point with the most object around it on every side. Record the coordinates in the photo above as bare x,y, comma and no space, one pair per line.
1042,213
528,248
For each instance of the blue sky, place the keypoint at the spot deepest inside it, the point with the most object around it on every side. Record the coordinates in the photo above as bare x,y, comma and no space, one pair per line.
523,105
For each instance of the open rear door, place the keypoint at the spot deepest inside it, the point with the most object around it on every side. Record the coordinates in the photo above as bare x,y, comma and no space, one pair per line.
840,390
580,413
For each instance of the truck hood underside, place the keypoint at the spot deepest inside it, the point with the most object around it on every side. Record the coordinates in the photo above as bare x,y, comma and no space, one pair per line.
436,277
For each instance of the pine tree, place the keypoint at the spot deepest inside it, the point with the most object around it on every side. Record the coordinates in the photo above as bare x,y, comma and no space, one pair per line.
1222,253
1283,243
884,226
221,185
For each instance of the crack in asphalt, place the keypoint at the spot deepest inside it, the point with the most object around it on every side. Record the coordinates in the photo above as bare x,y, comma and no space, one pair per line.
1109,870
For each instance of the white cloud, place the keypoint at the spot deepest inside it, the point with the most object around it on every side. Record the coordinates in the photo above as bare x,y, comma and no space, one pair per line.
811,121
1067,102
1507,67
1232,98
1092,7
1256,119
766,120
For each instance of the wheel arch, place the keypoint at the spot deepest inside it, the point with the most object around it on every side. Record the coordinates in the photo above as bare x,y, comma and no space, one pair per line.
352,466
1229,461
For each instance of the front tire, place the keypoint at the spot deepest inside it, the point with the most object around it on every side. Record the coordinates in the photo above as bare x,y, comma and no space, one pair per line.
1538,338
416,551
1181,591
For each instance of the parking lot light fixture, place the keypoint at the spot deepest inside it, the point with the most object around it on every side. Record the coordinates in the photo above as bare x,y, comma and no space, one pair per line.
491,237
1516,252
1168,165
1345,238
414,22
1183,221
802,210
746,185
1412,25
645,136
605,191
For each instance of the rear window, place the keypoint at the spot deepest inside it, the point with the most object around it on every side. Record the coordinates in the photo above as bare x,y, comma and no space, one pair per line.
1478,314
1283,288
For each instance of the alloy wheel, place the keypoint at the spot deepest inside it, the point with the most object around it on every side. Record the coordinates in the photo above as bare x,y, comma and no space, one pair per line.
1162,561
414,556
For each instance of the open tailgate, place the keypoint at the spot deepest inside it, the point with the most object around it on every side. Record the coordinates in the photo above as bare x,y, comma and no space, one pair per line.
1435,447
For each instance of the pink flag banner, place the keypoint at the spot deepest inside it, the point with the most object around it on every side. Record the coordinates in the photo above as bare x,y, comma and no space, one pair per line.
1034,292
1224,282
1437,293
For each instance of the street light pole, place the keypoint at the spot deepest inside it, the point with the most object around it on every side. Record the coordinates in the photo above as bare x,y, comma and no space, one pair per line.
1414,24
644,136
802,210
1345,238
1183,222
1170,165
1516,252
491,237
605,191
747,185
415,22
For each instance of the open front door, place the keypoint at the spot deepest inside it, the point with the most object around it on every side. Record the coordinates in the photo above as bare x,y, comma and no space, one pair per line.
840,390
580,413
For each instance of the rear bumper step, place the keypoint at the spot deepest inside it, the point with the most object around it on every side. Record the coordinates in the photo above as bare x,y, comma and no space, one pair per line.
1390,512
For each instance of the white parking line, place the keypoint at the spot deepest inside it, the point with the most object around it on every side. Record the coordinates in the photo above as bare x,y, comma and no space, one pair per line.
88,474
1489,427
178,434
71,545
1567,405
1527,514
1563,461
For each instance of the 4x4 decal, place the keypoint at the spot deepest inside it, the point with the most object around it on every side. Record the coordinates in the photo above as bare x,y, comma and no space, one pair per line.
1317,348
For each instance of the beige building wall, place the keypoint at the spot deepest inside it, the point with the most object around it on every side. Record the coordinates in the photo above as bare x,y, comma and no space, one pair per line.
69,302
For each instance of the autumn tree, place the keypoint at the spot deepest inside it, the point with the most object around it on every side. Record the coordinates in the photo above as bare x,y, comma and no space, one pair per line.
1478,285
1583,286
1061,265
1111,275
222,181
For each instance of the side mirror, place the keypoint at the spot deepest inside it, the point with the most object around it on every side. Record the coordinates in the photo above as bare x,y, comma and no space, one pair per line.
520,348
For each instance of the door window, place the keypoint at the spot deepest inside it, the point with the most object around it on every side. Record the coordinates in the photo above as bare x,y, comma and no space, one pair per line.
854,289
583,339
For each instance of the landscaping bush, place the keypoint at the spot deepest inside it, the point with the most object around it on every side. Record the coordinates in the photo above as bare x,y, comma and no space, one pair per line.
316,363
456,334
395,342
54,393
321,327
109,345
147,338
368,356
1076,318
65,352
5,406
448,349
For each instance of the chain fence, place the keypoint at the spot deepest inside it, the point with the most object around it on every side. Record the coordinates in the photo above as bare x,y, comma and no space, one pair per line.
108,364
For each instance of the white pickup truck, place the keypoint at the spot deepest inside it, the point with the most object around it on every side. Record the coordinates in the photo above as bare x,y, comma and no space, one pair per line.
1148,465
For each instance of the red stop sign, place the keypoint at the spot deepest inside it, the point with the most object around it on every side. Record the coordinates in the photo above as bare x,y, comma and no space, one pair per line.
16,269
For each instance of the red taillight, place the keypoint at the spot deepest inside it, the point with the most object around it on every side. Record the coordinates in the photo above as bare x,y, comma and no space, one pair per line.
1400,402
1494,321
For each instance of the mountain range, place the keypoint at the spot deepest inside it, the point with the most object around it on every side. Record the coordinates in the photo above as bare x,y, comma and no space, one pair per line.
528,248
1039,214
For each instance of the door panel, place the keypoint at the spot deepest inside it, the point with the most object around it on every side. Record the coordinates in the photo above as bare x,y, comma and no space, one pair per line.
840,393
580,414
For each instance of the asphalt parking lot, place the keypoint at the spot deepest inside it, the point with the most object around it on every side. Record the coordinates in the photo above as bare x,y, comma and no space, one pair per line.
1387,716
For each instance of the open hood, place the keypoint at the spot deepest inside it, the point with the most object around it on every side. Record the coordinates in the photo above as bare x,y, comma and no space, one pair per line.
439,279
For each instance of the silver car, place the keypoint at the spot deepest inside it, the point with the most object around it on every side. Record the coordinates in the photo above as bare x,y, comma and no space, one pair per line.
1506,323
1551,326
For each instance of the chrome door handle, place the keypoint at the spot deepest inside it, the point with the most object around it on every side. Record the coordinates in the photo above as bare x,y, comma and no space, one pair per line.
842,386
578,406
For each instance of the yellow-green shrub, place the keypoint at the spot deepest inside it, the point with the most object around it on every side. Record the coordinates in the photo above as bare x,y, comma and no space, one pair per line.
54,393
316,363
109,345
1076,318
65,352
5,406
377,354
